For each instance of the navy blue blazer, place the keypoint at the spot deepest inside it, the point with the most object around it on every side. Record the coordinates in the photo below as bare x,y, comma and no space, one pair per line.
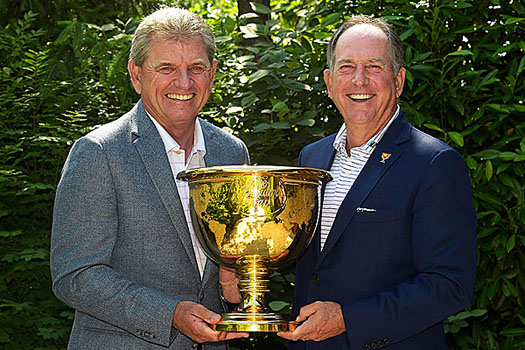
397,272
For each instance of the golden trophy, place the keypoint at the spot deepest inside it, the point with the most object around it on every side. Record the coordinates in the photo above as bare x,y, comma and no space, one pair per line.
254,219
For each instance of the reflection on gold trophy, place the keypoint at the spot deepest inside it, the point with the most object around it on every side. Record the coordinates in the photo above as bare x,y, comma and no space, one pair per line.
254,219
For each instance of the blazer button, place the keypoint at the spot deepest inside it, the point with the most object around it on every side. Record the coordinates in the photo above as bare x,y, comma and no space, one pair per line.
201,296
314,278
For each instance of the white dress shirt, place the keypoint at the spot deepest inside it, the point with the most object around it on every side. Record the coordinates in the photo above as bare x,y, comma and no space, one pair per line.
178,163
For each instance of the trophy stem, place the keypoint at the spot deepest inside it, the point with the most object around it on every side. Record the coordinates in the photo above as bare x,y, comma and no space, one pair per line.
254,283
252,314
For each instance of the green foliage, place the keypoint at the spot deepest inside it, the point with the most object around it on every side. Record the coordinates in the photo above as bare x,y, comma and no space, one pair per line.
464,84
46,102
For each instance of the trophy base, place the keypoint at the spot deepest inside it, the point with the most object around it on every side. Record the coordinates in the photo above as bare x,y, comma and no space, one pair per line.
260,322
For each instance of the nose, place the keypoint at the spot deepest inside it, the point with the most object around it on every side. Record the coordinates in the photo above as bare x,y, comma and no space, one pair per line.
182,79
360,76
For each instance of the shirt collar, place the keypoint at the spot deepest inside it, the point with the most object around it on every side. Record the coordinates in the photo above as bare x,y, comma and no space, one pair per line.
171,144
340,139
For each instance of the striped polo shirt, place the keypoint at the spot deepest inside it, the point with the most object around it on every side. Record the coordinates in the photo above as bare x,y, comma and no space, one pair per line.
345,170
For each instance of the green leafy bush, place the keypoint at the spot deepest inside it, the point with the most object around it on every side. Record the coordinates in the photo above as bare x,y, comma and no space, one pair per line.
464,61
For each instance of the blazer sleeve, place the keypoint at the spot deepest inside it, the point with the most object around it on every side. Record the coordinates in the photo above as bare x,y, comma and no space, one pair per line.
85,225
443,234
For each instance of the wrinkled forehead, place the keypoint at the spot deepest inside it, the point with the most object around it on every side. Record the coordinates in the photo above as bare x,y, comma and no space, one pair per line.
178,49
363,41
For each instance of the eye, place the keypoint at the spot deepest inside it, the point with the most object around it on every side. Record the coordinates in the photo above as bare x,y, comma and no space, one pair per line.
344,68
375,68
165,70
197,70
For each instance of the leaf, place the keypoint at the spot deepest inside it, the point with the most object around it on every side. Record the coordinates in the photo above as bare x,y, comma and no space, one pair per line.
249,31
278,305
296,85
487,197
499,107
478,312
507,155
260,8
505,179
513,332
433,127
261,127
460,53
487,154
423,67
281,125
249,99
223,39
511,242
488,170
467,29
258,75
280,106
330,19
521,66
411,30
233,110
10,233
513,20
471,163
306,122
456,137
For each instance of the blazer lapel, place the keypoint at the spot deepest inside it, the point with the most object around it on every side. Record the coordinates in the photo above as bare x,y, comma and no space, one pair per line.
375,168
211,158
150,147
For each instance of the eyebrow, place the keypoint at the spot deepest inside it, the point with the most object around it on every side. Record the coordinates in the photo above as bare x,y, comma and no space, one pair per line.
168,63
162,64
373,60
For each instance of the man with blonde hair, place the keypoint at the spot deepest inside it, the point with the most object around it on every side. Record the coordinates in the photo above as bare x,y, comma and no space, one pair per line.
123,252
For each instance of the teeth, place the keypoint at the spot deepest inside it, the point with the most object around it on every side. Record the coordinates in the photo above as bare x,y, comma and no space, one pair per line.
361,96
180,97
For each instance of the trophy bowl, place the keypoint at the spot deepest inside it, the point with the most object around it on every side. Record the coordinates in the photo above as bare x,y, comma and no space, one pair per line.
254,219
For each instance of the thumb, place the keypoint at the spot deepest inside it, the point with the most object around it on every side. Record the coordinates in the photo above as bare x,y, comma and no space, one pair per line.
305,312
207,316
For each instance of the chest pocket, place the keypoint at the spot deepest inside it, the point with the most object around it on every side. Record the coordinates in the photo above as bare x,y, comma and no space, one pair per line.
380,215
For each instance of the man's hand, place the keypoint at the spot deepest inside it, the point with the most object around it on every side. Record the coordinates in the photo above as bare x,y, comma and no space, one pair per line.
322,320
229,281
194,320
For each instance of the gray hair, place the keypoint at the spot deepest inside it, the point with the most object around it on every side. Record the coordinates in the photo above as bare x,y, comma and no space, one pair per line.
396,52
170,24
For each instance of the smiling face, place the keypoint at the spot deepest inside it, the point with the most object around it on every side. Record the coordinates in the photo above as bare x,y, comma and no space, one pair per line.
362,83
174,82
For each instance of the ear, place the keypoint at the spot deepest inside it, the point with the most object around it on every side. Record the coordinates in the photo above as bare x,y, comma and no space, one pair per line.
328,81
400,81
212,72
136,79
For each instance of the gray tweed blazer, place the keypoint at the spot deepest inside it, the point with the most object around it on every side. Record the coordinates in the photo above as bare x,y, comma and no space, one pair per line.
121,252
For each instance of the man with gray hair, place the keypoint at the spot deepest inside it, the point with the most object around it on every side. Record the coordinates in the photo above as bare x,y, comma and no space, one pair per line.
395,251
123,252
